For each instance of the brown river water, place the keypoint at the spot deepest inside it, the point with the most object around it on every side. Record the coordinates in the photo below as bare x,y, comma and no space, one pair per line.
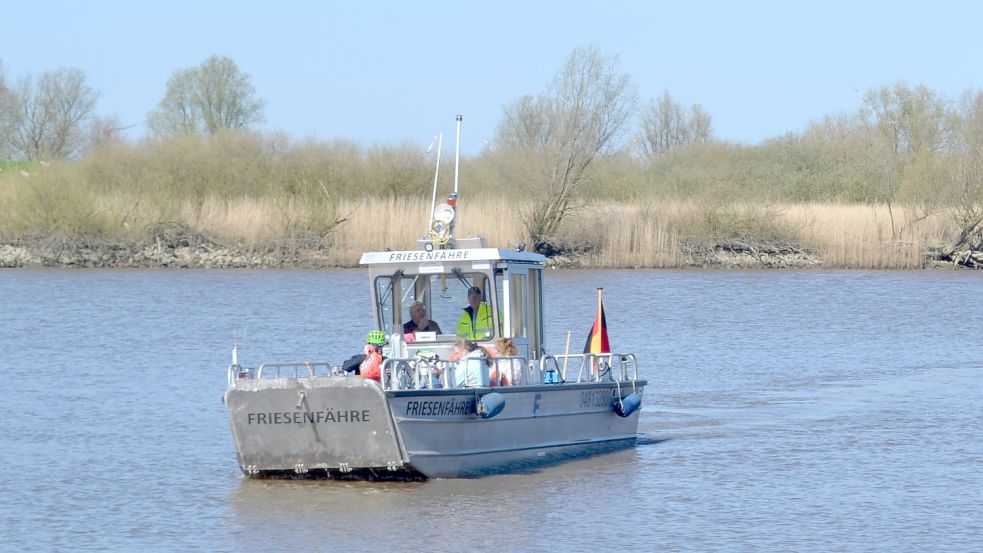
786,411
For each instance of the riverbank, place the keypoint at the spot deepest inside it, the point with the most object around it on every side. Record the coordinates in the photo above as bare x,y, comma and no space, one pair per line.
241,200
64,252
248,233
67,252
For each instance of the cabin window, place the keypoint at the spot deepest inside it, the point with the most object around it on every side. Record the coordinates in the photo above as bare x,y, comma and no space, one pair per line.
384,303
456,301
444,295
412,289
535,321
517,304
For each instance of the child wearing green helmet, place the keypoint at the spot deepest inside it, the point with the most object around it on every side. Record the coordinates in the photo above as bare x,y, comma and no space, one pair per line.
376,338
371,367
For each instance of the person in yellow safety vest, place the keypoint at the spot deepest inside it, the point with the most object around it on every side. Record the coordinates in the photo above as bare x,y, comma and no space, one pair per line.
476,322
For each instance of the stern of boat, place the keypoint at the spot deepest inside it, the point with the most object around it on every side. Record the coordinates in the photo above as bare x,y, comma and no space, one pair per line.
332,426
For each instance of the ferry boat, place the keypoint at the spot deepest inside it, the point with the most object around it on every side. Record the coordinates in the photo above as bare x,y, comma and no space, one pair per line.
429,416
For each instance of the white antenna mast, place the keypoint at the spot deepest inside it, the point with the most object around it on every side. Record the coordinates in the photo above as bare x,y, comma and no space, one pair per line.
436,172
457,155
457,166
442,217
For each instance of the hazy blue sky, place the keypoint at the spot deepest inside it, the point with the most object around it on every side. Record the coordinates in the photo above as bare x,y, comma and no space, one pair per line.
384,72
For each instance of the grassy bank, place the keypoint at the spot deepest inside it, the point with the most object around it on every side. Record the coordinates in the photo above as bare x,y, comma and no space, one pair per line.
296,203
610,235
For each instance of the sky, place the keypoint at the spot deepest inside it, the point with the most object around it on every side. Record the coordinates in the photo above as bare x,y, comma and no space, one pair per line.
389,72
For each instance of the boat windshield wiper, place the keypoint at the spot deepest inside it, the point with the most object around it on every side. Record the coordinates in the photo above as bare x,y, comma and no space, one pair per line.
409,288
389,289
460,276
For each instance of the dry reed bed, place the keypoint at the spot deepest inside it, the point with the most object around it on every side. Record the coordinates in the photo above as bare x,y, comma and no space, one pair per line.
616,235
646,234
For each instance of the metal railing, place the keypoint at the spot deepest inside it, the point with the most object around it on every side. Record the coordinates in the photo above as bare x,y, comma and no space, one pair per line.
416,373
419,373
309,369
305,369
593,367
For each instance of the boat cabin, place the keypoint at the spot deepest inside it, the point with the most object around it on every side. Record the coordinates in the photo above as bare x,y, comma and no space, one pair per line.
510,282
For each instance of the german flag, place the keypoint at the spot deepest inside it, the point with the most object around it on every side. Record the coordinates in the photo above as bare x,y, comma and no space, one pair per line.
597,341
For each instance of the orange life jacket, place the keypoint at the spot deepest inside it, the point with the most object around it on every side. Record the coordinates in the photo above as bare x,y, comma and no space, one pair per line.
372,366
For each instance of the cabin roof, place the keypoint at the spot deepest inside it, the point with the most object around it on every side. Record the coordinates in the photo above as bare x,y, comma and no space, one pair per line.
418,257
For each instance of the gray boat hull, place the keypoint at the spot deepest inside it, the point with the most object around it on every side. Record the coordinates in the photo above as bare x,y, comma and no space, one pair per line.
300,425
350,427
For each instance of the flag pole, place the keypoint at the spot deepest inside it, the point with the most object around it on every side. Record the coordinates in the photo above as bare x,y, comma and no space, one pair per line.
599,291
566,356
595,365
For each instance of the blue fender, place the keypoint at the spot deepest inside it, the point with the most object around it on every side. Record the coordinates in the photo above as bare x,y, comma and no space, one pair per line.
628,405
490,405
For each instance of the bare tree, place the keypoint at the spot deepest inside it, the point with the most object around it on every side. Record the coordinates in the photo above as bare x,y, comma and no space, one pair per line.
967,166
51,115
904,125
908,120
700,125
178,113
525,123
666,125
202,100
561,133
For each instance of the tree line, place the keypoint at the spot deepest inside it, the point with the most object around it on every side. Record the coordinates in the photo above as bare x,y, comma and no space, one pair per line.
53,116
586,136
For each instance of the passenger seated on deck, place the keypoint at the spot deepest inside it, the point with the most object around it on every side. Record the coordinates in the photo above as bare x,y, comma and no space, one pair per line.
460,349
371,367
472,368
419,322
464,347
508,370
